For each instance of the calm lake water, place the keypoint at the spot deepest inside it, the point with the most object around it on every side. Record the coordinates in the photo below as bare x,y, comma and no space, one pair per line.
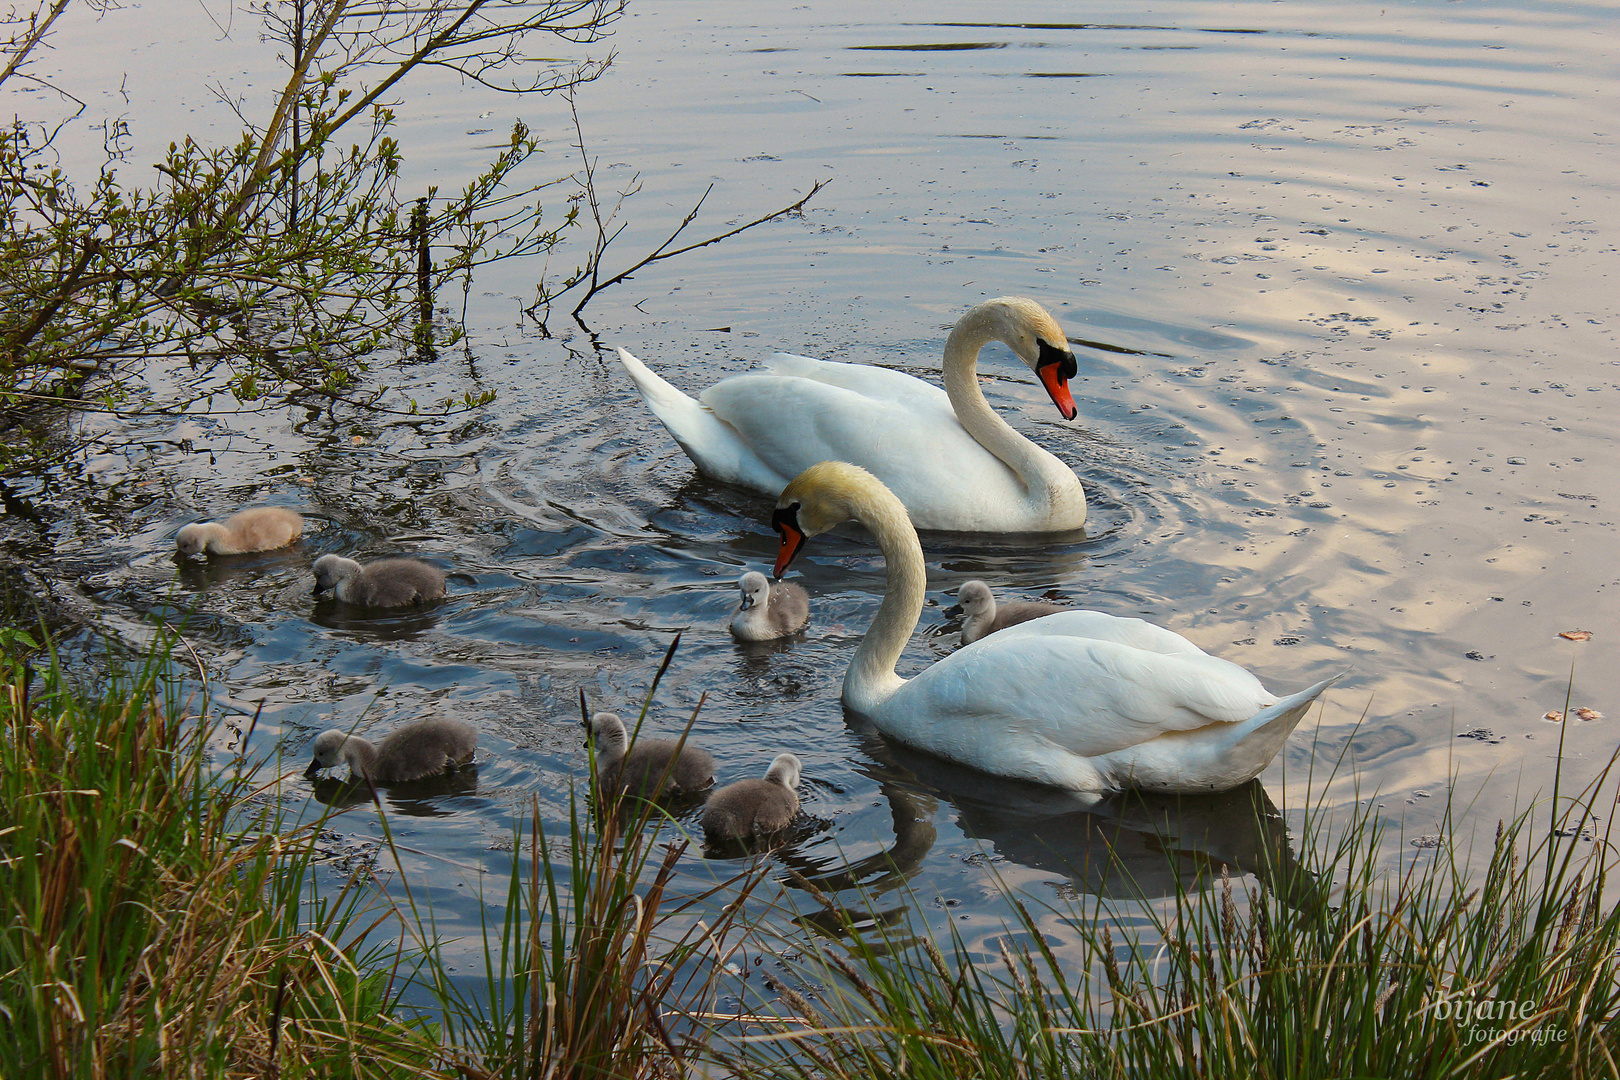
1349,277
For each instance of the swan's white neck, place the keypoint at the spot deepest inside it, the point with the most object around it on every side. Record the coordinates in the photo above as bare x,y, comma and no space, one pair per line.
1049,483
871,680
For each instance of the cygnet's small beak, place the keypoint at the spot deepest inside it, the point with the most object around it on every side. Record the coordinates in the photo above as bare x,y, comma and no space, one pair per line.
747,601
318,589
953,611
314,767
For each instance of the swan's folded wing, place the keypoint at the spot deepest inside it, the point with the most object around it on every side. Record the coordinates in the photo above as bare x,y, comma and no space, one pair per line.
1137,633
1086,695
881,384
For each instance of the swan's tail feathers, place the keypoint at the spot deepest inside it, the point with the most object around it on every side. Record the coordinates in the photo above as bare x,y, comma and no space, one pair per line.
711,443
664,400
1280,719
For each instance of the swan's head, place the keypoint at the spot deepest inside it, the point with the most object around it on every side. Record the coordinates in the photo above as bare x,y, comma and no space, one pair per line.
785,770
1031,332
974,599
608,734
823,496
331,569
326,751
756,589
193,539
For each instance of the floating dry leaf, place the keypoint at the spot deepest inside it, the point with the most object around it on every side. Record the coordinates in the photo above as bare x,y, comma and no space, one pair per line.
1576,635
1588,714
1555,717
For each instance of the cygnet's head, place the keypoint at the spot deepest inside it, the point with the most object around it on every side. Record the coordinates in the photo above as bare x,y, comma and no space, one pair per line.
785,770
756,589
326,749
331,569
975,598
606,732
193,538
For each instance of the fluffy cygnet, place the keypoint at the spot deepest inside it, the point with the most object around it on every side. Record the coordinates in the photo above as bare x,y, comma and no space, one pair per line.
755,807
769,609
425,748
975,600
650,768
263,528
392,582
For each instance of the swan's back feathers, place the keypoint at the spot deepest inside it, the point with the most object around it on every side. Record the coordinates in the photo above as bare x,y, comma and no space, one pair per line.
880,383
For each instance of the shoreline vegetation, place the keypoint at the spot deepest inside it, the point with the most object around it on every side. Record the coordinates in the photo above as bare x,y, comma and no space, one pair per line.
162,918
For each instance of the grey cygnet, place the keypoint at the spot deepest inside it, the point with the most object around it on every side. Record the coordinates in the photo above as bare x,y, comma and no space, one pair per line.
975,600
425,748
651,767
391,582
263,528
755,807
769,609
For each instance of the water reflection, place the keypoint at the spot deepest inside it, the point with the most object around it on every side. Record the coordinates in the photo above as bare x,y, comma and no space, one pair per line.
392,624
1131,846
417,798
202,575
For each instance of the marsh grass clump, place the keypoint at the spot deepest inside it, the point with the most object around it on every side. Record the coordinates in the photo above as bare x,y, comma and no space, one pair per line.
149,925
1425,971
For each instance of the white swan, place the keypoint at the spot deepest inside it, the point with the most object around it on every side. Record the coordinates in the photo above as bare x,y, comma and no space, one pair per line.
951,460
1078,699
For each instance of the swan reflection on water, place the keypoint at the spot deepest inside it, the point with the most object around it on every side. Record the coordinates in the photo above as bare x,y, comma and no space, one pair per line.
1122,846
415,798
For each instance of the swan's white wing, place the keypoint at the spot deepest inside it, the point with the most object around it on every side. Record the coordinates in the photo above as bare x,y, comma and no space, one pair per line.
1033,693
916,446
879,383
1137,633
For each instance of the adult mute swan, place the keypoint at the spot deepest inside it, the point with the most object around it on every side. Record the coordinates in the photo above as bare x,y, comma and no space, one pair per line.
1078,699
951,460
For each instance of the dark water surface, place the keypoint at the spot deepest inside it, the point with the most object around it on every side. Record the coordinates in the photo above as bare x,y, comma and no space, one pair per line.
1355,269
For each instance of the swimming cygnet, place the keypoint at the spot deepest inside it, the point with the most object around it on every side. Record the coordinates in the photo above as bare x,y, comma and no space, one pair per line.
975,600
769,609
650,768
755,807
391,582
263,528
425,748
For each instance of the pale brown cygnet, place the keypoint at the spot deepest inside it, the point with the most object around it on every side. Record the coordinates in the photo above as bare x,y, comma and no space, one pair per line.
391,582
769,609
755,807
425,748
263,528
975,601
651,767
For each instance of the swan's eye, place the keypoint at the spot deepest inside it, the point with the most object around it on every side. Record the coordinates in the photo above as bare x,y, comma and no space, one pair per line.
786,516
1064,358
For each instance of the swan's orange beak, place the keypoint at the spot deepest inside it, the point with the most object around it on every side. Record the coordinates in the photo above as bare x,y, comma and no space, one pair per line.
1057,385
786,523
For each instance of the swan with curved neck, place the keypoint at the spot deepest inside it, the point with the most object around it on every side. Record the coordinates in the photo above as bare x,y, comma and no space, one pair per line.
1078,699
950,459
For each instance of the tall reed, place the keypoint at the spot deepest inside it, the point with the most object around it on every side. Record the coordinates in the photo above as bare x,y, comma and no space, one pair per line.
150,927
1430,971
